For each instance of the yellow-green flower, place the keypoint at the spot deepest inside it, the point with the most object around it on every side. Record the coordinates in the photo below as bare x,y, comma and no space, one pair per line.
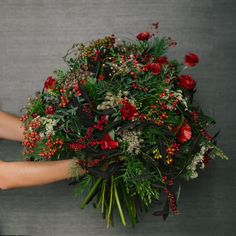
157,154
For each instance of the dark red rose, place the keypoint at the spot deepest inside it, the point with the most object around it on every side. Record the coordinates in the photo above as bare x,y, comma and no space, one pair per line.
184,134
187,82
143,36
128,111
34,115
50,110
191,59
155,68
49,83
161,60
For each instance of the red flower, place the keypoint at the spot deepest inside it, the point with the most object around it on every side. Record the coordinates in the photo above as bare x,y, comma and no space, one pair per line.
97,57
143,36
50,110
206,159
76,87
184,133
128,111
101,77
161,60
187,82
195,116
191,59
49,83
155,68
107,143
206,135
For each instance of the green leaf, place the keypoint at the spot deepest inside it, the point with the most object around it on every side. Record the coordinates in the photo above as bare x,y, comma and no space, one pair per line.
112,134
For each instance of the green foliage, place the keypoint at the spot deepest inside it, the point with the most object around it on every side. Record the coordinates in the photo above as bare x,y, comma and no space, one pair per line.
138,181
35,106
216,152
159,46
61,75
84,184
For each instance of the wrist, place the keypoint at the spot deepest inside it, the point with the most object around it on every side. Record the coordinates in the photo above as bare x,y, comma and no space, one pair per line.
75,170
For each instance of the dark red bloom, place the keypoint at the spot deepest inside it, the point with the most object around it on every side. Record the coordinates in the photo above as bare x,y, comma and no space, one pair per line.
155,68
50,110
49,83
77,146
143,36
161,60
206,135
206,159
191,59
77,90
34,115
101,77
195,116
184,133
128,111
97,57
187,82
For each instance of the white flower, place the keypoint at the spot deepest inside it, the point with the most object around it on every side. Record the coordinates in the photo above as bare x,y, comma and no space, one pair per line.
197,159
49,125
111,100
133,139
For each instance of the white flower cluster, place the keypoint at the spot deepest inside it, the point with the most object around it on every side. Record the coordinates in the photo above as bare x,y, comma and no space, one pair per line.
49,125
112,100
197,159
133,139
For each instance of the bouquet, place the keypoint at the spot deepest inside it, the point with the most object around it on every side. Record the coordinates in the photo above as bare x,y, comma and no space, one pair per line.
124,111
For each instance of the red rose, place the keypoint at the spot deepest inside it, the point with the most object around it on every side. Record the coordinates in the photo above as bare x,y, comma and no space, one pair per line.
184,133
161,60
49,83
128,111
50,110
187,82
191,59
155,68
143,36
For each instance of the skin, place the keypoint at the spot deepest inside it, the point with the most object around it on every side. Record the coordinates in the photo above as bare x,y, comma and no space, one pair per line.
23,174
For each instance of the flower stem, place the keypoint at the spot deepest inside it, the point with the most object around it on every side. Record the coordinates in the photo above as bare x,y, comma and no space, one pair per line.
93,189
110,203
119,206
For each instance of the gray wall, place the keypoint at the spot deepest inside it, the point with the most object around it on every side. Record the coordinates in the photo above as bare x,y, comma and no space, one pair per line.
34,35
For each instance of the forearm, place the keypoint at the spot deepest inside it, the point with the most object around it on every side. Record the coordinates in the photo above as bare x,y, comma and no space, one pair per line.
10,127
26,174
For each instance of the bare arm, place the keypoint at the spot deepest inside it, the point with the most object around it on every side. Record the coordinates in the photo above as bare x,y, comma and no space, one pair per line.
10,127
24,173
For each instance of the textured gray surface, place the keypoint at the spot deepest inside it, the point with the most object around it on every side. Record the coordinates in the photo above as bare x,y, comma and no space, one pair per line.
34,35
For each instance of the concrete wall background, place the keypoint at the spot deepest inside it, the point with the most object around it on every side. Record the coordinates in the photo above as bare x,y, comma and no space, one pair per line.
34,35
